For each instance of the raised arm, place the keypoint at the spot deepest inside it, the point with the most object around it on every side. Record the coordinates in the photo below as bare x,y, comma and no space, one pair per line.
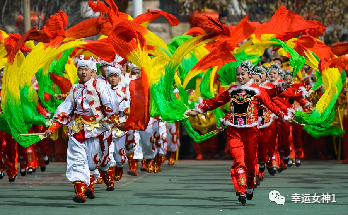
214,103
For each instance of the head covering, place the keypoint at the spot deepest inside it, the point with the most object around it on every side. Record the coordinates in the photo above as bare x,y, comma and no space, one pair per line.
246,66
83,62
118,59
103,62
133,67
93,63
258,70
117,66
112,70
288,72
275,66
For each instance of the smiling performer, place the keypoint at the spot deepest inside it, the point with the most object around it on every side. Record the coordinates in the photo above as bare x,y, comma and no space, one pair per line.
267,128
242,119
89,111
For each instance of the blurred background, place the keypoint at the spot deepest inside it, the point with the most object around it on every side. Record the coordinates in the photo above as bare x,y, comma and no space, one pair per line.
332,13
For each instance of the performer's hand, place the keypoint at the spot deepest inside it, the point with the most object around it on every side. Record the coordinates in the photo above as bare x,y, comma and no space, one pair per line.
221,128
311,92
58,96
290,120
48,133
310,107
192,113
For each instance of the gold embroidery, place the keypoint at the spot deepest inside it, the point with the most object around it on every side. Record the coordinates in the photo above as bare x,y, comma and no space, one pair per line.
80,122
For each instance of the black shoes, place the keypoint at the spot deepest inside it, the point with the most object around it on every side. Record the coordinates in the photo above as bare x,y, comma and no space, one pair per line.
286,160
46,160
110,188
297,162
79,199
290,163
30,170
242,199
43,168
89,193
249,194
23,172
272,171
2,175
12,179
262,168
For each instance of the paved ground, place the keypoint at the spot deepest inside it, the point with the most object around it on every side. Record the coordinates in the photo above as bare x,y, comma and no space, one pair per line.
189,187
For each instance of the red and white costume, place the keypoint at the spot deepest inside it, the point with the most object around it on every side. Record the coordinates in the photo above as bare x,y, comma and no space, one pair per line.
90,113
117,148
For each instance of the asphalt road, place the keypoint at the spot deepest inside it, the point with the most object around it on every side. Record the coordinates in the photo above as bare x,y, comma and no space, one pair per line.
189,187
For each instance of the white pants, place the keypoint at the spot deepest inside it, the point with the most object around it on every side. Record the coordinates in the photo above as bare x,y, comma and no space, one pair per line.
161,147
131,142
119,153
173,139
149,138
85,157
112,153
138,152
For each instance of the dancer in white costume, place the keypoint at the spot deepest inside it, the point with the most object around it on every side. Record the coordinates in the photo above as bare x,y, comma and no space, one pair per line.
90,113
117,149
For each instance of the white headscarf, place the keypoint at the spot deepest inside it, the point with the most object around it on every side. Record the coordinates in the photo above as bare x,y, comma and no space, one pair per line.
112,70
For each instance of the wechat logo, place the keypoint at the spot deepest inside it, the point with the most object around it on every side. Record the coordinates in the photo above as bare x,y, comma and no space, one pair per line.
274,196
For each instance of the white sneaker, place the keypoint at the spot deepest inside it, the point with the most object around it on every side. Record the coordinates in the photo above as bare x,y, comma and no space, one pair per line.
290,162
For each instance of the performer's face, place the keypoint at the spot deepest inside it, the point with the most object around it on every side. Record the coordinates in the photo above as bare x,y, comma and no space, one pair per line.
223,19
274,75
94,74
278,62
288,80
103,70
306,68
113,79
123,69
84,73
263,77
242,76
136,73
257,79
